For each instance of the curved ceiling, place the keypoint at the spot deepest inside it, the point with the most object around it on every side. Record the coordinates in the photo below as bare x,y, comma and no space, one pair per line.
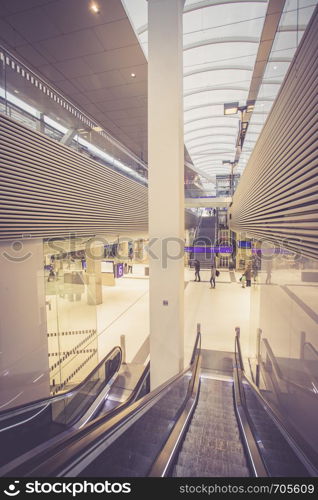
226,60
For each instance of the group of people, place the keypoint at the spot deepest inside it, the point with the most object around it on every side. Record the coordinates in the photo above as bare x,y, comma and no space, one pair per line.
250,271
197,276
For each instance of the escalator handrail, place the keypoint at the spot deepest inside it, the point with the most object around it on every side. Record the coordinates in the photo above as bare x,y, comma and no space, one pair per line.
5,414
302,450
313,349
33,454
197,344
64,455
279,373
255,460
238,349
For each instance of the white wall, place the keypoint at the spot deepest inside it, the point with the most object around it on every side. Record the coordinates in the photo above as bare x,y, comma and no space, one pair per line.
23,334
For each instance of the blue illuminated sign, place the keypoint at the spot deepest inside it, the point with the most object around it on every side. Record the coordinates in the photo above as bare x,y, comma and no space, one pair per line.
219,249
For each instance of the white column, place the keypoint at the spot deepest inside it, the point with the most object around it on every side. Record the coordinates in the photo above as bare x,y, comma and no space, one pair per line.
166,187
94,257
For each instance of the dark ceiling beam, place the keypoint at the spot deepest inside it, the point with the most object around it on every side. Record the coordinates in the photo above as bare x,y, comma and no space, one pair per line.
271,24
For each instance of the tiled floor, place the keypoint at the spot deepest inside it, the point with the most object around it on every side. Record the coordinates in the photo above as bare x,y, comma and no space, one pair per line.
217,310
125,312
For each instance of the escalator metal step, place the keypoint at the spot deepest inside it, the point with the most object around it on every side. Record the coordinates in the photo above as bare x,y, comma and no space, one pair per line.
212,446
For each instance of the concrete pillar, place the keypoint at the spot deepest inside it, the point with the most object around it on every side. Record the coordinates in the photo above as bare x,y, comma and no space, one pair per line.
94,256
123,250
68,136
41,124
166,188
24,362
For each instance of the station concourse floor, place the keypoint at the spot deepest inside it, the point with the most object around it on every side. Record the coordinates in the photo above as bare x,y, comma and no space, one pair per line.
125,311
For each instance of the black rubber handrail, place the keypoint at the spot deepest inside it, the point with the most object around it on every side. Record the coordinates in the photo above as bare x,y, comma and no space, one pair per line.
68,457
306,455
34,457
9,413
165,459
257,465
280,375
311,347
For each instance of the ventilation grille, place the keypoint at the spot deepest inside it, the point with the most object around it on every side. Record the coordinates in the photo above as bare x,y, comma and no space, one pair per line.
48,190
277,198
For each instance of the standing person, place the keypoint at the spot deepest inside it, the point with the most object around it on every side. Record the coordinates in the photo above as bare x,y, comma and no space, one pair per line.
83,261
243,280
197,270
51,276
130,261
268,272
248,275
213,275
255,268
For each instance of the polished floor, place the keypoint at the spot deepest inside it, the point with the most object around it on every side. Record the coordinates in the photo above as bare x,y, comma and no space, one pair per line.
124,312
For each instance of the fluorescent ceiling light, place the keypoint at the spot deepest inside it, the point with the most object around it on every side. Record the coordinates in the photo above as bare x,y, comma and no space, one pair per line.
94,7
231,108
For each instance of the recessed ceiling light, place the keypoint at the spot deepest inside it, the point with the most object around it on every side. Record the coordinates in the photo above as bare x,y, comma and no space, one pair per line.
133,75
275,67
94,8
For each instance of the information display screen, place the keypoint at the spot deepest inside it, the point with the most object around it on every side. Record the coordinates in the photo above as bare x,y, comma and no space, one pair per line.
244,244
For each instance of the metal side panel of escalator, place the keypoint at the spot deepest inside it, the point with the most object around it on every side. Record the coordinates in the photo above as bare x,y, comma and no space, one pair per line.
27,426
195,424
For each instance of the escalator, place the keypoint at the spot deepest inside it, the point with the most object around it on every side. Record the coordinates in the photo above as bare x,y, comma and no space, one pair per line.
27,426
205,237
213,427
196,424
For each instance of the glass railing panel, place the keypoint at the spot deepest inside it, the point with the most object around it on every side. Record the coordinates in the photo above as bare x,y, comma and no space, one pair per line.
278,457
284,307
71,408
310,360
31,100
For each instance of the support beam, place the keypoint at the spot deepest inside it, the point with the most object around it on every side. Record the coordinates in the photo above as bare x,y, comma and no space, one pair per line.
68,136
166,188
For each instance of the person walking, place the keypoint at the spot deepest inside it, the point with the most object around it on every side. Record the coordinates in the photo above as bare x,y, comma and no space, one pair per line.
248,275
197,270
255,268
213,275
130,261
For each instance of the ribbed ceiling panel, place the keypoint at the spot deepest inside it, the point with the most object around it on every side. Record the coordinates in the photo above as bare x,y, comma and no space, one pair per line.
276,198
49,190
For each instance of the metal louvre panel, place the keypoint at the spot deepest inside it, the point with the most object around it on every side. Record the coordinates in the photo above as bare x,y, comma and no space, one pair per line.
276,198
48,189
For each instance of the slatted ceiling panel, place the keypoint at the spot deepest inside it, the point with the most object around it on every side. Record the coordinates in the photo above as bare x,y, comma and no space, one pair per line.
50,190
24,155
277,197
